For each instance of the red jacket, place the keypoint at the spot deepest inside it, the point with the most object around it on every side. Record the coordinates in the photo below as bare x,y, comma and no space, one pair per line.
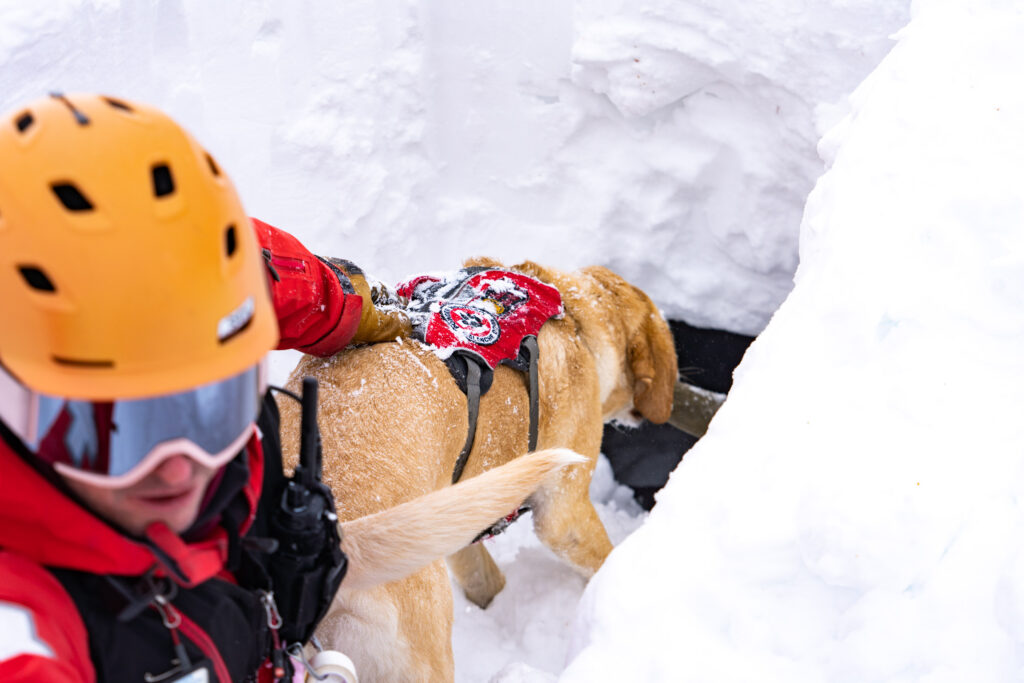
43,637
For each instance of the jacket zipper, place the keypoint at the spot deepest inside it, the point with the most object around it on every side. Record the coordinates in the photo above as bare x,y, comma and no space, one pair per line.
289,263
285,262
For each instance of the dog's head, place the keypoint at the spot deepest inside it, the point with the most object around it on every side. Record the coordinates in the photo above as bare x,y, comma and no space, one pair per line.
651,357
634,348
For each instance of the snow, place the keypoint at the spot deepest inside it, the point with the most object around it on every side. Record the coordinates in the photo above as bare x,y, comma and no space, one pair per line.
522,635
852,514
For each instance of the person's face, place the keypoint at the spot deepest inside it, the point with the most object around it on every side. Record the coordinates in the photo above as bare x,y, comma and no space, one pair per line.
171,493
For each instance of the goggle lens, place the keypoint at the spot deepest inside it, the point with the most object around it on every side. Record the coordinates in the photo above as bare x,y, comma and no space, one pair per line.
105,442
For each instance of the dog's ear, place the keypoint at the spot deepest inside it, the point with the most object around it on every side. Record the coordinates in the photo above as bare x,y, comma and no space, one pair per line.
482,262
652,360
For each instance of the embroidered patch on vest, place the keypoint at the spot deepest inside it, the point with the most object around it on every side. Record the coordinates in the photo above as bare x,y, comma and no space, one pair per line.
486,311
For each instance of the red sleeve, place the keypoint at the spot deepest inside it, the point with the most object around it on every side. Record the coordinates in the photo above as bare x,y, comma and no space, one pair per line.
315,313
44,638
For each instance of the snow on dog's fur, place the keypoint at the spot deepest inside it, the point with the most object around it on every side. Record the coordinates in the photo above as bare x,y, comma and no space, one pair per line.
394,421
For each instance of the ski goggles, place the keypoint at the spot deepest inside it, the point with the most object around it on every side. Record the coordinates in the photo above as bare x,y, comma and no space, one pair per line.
113,444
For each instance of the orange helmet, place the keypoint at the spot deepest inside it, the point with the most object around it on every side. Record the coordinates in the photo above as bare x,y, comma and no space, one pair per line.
128,267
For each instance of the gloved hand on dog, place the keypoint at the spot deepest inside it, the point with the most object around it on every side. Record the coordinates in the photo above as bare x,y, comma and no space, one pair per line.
382,317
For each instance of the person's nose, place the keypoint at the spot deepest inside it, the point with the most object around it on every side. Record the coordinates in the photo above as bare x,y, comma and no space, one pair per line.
176,469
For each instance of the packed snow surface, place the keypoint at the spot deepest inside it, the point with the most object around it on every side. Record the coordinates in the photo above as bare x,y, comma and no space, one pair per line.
853,513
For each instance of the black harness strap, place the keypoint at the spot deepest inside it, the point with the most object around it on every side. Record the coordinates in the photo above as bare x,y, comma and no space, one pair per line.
532,354
473,405
529,353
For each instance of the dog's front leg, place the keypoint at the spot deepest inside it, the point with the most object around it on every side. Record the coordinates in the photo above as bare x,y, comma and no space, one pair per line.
477,573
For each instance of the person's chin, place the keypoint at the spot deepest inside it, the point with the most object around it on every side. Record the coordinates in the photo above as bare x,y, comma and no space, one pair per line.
177,509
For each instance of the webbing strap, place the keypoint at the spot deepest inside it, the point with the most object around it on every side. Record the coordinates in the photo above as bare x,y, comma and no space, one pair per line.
473,405
532,353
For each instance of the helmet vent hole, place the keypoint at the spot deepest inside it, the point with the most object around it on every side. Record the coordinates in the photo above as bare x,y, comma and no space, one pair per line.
213,165
163,181
36,279
24,121
118,104
71,197
84,363
230,240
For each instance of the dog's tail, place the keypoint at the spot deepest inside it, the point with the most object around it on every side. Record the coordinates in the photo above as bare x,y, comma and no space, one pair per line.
393,543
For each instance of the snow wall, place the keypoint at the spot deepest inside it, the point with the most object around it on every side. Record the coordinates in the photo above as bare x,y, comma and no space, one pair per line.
672,140
854,513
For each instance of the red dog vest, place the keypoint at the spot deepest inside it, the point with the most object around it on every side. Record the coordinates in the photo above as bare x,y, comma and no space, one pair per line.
485,311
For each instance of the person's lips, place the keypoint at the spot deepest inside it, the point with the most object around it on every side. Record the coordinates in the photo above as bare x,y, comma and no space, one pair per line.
167,497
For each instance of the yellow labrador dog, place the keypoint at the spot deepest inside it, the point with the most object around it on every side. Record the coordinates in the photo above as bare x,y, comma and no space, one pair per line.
394,421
